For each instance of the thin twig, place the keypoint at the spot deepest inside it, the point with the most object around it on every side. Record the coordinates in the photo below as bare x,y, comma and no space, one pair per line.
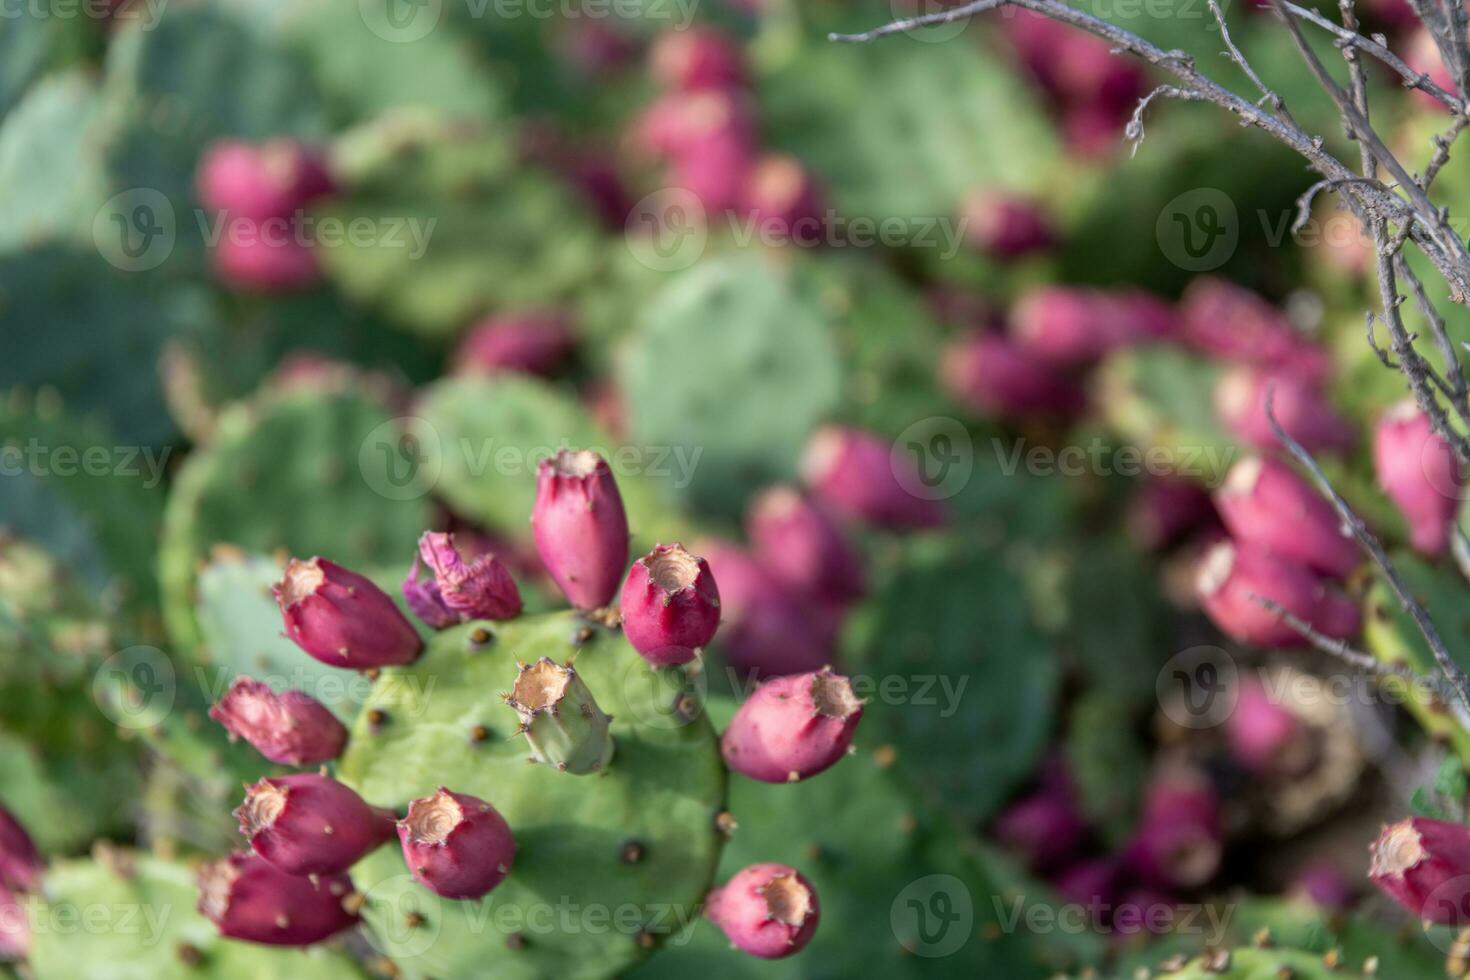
1134,130
1370,544
1268,96
1340,649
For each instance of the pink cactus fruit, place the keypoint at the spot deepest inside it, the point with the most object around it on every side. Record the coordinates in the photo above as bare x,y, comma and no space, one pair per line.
1044,828
456,845
249,898
766,629
1066,326
580,527
1324,886
686,126
792,727
782,198
1178,842
309,823
1166,509
1263,734
258,181
766,910
266,264
697,58
342,618
21,864
480,588
291,728
670,605
803,546
1231,322
1005,226
1420,473
1233,577
1424,865
1094,881
1263,501
856,475
994,376
1299,406
532,342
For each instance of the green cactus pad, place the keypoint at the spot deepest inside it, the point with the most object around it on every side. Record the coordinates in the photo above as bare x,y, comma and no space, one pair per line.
298,472
869,117
944,621
730,358
125,916
1161,400
1258,964
600,858
480,218
485,439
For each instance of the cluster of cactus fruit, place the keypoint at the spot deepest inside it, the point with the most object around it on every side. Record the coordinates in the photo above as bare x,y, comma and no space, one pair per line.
307,830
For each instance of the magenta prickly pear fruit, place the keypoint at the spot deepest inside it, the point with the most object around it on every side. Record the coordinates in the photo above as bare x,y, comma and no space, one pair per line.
258,181
1044,829
478,589
264,264
1092,881
580,527
1178,842
785,202
424,599
993,375
803,547
342,618
249,898
1299,405
15,926
697,58
1068,326
1419,472
534,342
766,630
670,605
793,727
560,718
456,845
1264,736
21,864
1165,509
310,823
1325,886
1231,322
1233,576
766,910
854,473
690,126
1424,865
716,171
1264,502
291,728
1005,226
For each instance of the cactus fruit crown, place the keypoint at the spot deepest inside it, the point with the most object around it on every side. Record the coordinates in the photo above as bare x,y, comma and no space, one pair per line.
540,687
263,804
833,695
672,568
788,901
1244,475
1397,851
577,463
301,579
432,820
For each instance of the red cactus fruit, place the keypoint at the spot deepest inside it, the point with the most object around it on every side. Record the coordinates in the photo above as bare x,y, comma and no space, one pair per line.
1233,323
531,342
1420,473
456,845
1178,842
1166,509
1005,226
803,546
1233,577
477,589
993,375
580,527
670,605
249,898
766,630
1263,501
258,181
1299,406
792,727
264,264
1424,865
785,202
21,864
342,618
1264,735
695,58
854,473
309,823
766,910
291,728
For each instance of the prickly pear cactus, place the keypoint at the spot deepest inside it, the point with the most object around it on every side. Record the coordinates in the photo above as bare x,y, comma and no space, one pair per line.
151,929
1154,397
608,865
1258,964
